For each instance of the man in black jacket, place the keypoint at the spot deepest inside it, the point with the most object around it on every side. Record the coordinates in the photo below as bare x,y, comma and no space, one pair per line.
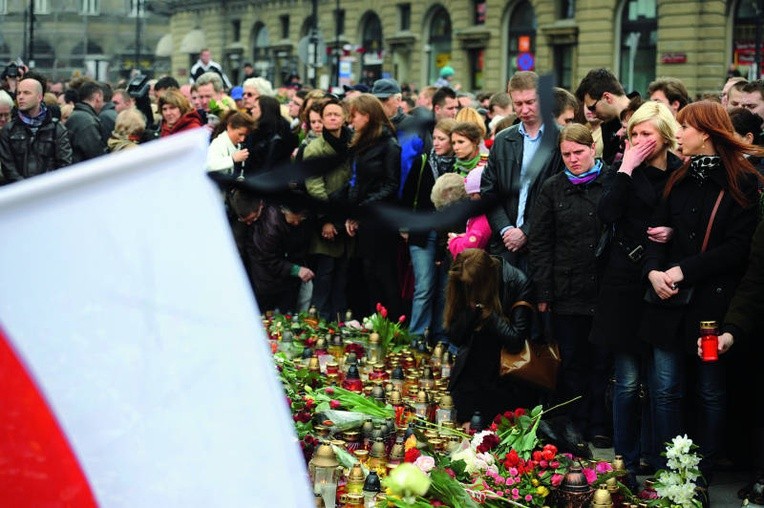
84,125
33,142
508,176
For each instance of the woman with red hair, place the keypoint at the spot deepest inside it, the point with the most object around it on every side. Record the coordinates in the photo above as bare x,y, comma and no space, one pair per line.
710,202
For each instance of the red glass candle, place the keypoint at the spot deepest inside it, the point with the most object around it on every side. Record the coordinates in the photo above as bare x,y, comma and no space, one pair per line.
709,341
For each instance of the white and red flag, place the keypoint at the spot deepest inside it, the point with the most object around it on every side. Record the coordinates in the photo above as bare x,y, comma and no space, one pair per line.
134,371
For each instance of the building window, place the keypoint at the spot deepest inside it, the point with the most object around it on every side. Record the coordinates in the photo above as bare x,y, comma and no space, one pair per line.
747,37
262,53
137,8
41,7
3,6
566,9
236,29
284,22
522,39
477,67
373,53
639,31
404,10
479,9
339,21
440,43
89,7
563,65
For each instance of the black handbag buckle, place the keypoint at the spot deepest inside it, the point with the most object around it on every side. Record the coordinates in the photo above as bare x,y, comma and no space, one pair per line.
636,254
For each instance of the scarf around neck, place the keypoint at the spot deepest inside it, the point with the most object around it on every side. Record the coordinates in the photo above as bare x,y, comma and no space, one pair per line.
587,177
338,144
702,165
34,122
440,164
464,166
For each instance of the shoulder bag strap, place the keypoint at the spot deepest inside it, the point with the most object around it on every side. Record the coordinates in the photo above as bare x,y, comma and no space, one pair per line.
711,220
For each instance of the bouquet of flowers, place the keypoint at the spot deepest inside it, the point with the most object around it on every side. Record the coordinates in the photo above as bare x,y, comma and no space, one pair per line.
676,486
392,335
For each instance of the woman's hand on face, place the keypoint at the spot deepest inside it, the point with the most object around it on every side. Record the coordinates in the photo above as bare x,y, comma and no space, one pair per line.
660,234
664,286
633,156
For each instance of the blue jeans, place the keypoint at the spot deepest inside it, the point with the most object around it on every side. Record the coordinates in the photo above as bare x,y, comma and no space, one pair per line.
712,405
668,377
666,394
626,409
329,286
429,290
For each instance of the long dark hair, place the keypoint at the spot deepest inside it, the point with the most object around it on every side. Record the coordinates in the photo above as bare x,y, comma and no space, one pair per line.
367,104
712,119
473,278
270,114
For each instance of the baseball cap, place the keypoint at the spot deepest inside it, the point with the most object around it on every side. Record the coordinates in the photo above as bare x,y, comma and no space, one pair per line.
237,93
384,88
360,87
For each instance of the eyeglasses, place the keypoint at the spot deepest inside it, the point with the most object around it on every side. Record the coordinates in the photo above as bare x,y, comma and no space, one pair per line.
593,106
250,94
5,115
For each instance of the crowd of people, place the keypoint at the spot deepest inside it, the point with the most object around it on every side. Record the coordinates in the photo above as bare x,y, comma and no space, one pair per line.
616,238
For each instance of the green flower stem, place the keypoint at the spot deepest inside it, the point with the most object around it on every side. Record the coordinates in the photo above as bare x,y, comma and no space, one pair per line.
445,430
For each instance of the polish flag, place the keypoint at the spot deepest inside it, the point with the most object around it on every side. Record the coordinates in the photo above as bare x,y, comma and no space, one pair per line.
134,370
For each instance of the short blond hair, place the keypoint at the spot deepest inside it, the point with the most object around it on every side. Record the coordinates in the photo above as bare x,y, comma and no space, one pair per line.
448,189
129,122
663,120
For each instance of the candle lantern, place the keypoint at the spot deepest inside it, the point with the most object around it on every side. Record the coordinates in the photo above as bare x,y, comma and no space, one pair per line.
323,473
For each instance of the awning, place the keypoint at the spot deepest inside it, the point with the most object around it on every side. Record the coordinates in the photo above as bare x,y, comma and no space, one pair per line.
164,46
193,42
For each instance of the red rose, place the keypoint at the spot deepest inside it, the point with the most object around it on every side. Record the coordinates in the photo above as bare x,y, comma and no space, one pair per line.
401,318
519,412
512,459
382,311
334,404
411,455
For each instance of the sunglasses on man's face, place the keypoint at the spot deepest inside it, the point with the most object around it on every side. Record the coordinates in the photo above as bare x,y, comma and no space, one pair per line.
593,106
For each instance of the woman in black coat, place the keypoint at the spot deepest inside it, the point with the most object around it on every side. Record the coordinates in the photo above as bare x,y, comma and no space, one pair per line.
628,206
565,234
375,167
272,142
487,307
710,203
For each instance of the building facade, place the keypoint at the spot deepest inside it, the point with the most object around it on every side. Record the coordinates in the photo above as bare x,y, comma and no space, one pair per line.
93,37
485,41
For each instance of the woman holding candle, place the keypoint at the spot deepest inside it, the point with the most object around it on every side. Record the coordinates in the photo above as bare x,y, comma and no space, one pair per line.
710,204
